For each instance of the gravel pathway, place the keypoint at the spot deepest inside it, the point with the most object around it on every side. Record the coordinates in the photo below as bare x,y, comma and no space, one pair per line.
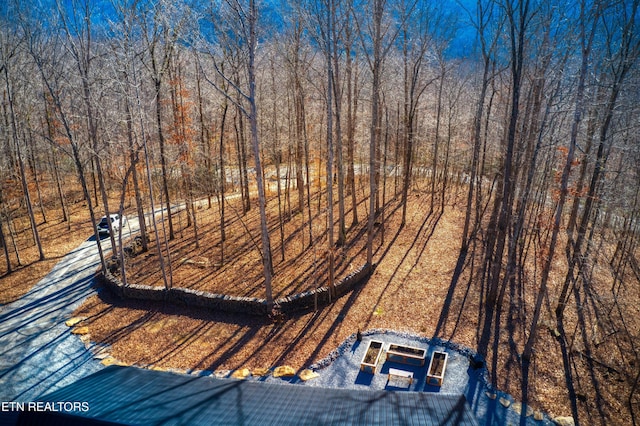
341,369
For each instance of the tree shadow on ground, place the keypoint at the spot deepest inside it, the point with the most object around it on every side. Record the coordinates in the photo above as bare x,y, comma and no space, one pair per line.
446,305
334,325
427,227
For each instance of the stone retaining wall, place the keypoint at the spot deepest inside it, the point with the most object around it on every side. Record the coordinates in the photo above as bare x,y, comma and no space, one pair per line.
245,305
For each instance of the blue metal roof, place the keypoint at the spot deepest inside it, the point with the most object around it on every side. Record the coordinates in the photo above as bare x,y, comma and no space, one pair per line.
127,395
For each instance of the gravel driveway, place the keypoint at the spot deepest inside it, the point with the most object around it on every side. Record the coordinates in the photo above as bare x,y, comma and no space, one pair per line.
38,354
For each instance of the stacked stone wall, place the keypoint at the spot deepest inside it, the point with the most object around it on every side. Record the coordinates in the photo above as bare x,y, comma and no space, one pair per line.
246,305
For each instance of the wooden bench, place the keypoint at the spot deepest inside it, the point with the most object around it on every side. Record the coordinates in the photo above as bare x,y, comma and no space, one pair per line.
400,373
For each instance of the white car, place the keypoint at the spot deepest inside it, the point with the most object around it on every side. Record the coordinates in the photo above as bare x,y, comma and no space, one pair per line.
116,223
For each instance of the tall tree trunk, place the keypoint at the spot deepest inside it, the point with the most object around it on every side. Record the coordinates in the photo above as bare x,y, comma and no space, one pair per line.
34,172
578,257
3,243
385,153
584,163
54,167
205,144
94,182
163,156
298,106
624,60
299,111
352,105
134,159
239,159
307,169
477,143
93,135
376,69
477,163
23,176
329,106
337,89
53,93
242,153
447,153
223,181
12,234
414,87
280,214
518,17
29,204
408,131
255,142
436,144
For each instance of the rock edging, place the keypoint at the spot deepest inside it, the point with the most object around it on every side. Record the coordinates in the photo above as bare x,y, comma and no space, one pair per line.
236,304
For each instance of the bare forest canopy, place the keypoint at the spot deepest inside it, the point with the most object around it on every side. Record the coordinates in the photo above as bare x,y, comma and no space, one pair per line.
330,108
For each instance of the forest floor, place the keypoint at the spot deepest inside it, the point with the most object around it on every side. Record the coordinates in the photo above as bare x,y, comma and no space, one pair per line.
411,290
57,237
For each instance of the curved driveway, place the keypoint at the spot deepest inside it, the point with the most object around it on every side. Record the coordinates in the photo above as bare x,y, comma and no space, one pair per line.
38,354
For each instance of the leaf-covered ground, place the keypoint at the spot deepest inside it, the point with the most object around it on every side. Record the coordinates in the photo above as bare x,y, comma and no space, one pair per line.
410,290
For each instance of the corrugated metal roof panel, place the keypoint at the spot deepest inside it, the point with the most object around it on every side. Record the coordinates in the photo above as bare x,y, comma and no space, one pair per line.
126,395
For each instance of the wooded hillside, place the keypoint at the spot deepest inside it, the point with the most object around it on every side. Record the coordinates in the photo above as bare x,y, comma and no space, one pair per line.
300,123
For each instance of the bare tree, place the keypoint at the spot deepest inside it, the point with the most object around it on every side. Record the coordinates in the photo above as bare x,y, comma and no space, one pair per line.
587,31
49,61
244,17
8,52
298,62
77,26
161,29
488,43
416,40
623,48
132,82
376,45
